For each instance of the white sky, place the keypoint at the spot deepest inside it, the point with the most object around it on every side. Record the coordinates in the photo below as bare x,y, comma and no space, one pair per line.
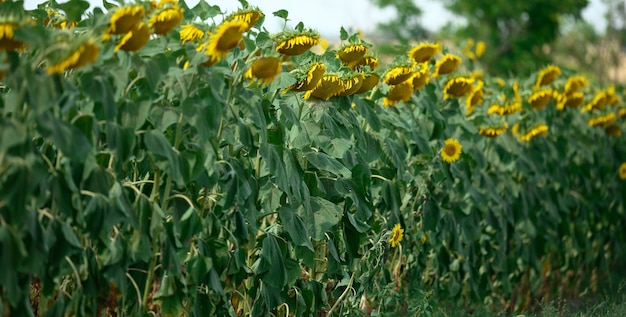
328,16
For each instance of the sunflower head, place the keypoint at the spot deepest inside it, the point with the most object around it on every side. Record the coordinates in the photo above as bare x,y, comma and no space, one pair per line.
613,130
598,102
249,15
225,37
329,86
191,33
367,60
602,120
493,127
574,84
352,82
309,78
400,92
547,75
621,112
531,132
540,98
451,150
457,87
370,81
166,19
424,52
135,39
352,53
7,41
474,98
264,70
124,19
446,65
296,43
73,56
396,235
398,73
421,77
622,171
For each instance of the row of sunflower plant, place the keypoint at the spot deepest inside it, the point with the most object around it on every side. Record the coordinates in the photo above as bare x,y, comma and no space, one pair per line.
166,160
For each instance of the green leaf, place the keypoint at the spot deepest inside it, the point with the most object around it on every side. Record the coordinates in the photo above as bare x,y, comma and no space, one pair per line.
165,157
295,227
325,162
281,14
276,275
343,34
321,216
74,9
65,137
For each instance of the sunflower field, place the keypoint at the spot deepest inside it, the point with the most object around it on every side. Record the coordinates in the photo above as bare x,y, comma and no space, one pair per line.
162,160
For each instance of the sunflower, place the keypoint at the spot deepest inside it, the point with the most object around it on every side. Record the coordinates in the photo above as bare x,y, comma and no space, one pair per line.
446,65
329,86
474,98
492,131
397,233
264,70
226,37
166,19
457,87
598,102
451,150
421,78
190,32
613,130
7,42
621,112
538,130
399,92
622,171
124,19
572,100
351,84
134,40
398,74
612,98
86,52
367,60
250,16
292,44
352,53
540,98
424,52
369,82
602,120
480,49
574,84
547,75
313,75
505,110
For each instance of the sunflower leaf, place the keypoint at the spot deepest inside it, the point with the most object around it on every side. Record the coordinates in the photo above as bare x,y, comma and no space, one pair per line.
281,14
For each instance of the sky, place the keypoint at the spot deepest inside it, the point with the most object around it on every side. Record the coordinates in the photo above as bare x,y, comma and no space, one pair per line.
328,16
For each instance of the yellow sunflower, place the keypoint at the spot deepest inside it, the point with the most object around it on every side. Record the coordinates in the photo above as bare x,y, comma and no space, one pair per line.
621,112
540,99
367,60
572,100
451,150
124,19
538,130
85,53
480,48
598,102
397,93
492,131
398,74
314,74
369,82
613,130
135,39
7,42
474,98
457,87
396,235
602,120
329,86
226,37
351,84
352,53
190,32
250,16
292,44
547,75
421,78
166,19
574,84
622,171
446,65
264,70
424,52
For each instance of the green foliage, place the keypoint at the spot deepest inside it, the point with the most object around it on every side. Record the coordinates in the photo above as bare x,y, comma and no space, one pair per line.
164,182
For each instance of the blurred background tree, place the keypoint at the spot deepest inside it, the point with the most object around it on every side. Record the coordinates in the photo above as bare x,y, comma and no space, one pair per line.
406,26
518,33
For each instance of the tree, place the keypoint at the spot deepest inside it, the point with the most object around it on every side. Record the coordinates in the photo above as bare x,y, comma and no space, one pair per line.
517,33
406,26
